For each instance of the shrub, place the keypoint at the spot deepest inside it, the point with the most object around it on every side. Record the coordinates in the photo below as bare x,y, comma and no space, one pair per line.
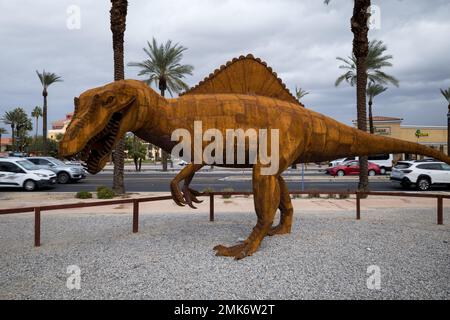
332,196
83,195
105,193
99,188
344,196
227,196
314,195
207,190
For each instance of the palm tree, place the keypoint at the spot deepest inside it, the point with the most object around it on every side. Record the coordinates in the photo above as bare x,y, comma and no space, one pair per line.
19,122
2,132
36,113
372,91
47,79
164,69
446,94
360,29
376,60
10,118
300,93
118,17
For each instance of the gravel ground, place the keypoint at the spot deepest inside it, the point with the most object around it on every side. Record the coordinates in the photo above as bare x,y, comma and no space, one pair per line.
325,257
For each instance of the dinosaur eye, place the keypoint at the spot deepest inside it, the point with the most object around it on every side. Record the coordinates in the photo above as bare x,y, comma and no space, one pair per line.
108,101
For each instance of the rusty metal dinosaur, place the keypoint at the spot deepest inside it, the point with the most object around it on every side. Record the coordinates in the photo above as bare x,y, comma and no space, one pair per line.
246,94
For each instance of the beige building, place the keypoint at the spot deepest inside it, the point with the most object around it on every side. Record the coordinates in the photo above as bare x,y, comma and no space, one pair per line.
59,127
432,136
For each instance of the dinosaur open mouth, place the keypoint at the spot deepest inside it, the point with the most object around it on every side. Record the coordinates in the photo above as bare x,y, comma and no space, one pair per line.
100,146
97,150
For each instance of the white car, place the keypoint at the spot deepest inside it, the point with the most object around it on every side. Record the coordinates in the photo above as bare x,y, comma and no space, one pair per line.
21,173
384,161
422,174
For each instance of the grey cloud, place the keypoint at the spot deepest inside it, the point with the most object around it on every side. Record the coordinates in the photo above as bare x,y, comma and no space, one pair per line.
299,39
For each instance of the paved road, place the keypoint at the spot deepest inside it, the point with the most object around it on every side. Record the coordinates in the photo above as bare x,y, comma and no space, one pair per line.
155,182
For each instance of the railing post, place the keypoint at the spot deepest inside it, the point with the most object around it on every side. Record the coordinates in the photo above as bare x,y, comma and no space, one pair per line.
440,210
211,207
135,216
37,227
358,206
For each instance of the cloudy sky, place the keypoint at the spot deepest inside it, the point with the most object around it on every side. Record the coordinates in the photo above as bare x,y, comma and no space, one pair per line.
300,39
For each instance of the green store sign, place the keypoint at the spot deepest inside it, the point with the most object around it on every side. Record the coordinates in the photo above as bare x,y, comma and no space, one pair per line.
421,134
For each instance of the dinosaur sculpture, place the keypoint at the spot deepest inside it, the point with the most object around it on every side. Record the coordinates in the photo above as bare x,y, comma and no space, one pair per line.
244,93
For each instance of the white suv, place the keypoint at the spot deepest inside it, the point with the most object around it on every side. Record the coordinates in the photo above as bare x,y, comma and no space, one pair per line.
423,174
21,173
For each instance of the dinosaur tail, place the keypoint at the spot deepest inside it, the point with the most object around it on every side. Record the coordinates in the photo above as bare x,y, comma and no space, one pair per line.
365,144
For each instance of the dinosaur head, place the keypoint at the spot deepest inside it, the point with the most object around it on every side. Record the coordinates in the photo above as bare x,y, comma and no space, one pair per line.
102,116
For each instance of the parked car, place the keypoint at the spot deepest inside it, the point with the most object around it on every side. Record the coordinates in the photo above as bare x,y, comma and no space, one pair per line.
17,154
21,173
422,174
64,172
384,161
351,168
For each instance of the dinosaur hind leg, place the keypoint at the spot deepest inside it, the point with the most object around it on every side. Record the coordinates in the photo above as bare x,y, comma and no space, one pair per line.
266,198
286,211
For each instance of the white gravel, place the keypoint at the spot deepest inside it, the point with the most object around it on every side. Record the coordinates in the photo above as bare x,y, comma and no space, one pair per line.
326,256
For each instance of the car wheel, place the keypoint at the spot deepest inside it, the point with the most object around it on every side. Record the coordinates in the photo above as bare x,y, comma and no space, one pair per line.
29,185
423,184
341,173
372,173
63,177
382,170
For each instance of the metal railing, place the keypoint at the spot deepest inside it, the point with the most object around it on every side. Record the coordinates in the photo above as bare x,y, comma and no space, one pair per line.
135,227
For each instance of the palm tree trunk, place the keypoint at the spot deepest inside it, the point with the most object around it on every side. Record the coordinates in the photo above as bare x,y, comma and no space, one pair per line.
448,131
118,24
360,49
13,138
164,155
0,142
372,129
44,122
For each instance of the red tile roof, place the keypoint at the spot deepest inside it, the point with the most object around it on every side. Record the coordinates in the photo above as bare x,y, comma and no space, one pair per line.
6,141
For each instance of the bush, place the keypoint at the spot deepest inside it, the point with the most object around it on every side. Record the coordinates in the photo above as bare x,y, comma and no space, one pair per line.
83,195
99,188
332,196
227,196
207,190
314,195
105,193
344,196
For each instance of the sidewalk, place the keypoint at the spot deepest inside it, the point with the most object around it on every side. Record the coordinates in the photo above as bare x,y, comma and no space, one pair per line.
233,204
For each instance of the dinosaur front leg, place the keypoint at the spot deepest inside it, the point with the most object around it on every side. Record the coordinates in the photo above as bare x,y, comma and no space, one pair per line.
189,195
266,199
286,211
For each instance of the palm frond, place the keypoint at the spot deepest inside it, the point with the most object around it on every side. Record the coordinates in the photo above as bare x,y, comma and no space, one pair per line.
164,62
376,60
446,94
300,93
48,78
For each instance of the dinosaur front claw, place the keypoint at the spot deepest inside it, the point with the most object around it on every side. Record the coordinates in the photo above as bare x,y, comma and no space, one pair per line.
176,194
190,196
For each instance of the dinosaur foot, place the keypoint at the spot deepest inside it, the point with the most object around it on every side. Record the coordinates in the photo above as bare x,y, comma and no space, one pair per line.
279,229
238,251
